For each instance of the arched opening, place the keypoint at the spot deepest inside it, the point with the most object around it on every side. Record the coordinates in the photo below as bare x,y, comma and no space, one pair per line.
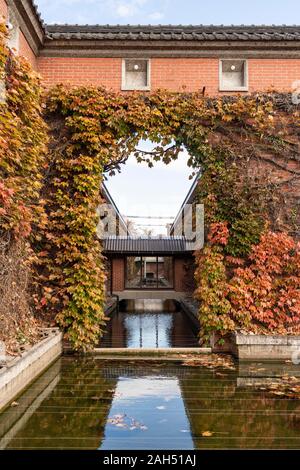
149,264
145,203
94,131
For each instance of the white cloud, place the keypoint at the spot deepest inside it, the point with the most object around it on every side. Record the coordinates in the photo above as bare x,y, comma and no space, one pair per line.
128,388
126,9
129,8
156,15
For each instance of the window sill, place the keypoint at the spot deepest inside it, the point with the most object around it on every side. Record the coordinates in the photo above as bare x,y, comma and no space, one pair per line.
233,89
145,88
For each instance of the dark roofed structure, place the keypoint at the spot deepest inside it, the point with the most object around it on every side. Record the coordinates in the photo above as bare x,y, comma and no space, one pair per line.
65,40
171,41
175,32
146,245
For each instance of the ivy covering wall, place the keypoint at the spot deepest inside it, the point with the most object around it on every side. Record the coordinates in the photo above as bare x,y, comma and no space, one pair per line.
247,166
23,144
247,148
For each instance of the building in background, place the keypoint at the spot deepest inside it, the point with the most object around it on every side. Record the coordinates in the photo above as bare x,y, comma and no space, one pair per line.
212,59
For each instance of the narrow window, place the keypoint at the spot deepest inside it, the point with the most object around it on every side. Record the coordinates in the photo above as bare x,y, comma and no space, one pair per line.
233,75
136,74
149,272
133,272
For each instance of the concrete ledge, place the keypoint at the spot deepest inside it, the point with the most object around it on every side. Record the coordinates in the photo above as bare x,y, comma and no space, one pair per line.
21,371
264,347
147,353
15,418
110,307
191,311
150,294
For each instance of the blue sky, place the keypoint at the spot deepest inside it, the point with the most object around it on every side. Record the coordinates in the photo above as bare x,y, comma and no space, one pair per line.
170,11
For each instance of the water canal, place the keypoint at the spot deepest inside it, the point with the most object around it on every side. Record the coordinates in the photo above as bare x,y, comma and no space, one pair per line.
150,330
150,324
88,403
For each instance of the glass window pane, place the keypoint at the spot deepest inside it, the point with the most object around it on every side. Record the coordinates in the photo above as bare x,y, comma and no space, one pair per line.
149,272
133,272
165,272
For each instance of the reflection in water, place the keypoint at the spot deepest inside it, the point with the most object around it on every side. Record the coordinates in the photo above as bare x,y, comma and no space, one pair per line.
146,331
141,407
150,330
88,404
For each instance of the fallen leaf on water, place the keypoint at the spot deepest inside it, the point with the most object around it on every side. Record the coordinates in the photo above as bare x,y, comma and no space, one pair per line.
210,361
287,386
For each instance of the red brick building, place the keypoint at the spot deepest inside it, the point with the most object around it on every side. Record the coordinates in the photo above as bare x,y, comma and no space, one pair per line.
219,59
222,59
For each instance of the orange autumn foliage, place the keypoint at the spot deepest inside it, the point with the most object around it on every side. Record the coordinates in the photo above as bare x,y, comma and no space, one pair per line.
265,294
259,294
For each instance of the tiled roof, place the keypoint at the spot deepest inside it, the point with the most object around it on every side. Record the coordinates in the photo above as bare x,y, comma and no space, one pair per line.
146,245
177,33
37,14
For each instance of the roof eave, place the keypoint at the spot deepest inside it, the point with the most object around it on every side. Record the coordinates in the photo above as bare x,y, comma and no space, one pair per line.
30,22
163,48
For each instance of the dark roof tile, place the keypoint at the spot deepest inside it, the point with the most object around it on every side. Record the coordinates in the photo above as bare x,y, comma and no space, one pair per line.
157,245
173,32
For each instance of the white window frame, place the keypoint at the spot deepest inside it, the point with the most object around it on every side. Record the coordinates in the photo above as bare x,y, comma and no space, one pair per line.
125,87
234,88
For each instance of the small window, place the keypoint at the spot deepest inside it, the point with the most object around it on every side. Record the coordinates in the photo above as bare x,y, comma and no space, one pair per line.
136,74
233,75
149,272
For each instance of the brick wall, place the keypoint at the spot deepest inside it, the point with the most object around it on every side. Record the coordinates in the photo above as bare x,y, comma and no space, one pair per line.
277,73
181,281
81,71
3,9
118,274
178,272
26,51
190,74
24,48
171,73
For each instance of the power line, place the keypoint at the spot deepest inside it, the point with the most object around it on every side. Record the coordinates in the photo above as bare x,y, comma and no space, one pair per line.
148,217
150,225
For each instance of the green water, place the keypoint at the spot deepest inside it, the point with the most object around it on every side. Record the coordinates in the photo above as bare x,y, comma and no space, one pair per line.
85,403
